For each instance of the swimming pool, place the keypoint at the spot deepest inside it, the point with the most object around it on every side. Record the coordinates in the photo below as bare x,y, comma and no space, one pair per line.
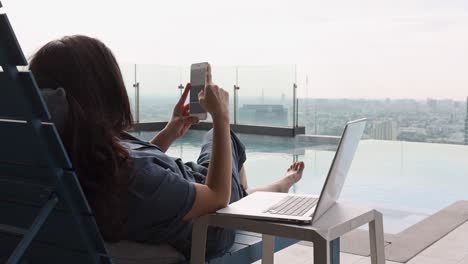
406,181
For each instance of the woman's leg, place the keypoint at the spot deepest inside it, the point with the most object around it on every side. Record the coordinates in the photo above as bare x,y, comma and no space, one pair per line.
239,176
243,178
238,159
292,175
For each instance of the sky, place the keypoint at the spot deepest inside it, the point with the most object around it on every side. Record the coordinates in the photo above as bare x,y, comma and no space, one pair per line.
345,49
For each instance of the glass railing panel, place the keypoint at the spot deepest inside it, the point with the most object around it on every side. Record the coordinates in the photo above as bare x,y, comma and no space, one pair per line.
128,74
225,77
266,95
159,91
307,115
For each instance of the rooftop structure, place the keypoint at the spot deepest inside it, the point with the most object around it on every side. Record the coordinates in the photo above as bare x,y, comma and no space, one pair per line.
384,130
466,123
276,115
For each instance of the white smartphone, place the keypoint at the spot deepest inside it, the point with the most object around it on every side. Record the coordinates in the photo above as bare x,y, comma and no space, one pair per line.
197,83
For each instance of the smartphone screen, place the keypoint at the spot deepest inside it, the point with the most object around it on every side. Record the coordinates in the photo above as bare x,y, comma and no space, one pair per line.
197,83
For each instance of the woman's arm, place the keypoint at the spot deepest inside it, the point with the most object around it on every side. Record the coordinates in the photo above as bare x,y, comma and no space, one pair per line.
217,191
178,125
163,140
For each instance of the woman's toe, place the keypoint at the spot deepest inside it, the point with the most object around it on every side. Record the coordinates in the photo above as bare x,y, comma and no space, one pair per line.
296,165
301,165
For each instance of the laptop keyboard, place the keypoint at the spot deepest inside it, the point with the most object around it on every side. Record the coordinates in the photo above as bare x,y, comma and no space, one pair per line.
292,205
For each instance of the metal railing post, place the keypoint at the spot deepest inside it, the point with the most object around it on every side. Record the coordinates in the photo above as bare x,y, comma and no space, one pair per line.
296,101
236,95
181,88
136,85
294,106
297,112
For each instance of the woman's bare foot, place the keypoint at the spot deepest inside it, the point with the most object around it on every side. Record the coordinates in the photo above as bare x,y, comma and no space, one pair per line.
293,175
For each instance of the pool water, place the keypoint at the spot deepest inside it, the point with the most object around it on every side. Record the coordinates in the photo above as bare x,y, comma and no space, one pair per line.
406,181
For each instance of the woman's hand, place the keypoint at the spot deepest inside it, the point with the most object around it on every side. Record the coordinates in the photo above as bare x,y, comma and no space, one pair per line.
178,125
181,121
214,100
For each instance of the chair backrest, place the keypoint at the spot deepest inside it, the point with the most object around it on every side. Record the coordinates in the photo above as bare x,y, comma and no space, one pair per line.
44,215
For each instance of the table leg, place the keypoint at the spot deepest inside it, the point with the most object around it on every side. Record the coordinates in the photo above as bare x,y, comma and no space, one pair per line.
335,251
322,252
199,231
268,249
376,236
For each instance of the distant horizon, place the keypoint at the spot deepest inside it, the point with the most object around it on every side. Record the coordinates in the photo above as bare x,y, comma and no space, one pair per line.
419,100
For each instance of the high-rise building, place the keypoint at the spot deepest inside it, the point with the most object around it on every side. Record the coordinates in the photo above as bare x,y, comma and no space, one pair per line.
384,130
264,114
432,104
466,123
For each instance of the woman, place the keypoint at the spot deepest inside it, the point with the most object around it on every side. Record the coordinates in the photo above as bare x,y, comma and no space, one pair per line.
136,191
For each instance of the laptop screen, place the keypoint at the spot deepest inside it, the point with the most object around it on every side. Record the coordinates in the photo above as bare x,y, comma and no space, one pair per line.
340,166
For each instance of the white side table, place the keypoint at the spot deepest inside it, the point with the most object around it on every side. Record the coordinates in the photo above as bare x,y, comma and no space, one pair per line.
337,221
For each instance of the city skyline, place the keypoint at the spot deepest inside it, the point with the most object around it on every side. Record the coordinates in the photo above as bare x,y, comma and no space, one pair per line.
430,121
410,49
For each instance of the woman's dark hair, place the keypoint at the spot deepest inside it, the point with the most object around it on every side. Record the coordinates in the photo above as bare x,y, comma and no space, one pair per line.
99,111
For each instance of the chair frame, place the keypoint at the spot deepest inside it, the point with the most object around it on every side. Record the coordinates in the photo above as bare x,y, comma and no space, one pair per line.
34,117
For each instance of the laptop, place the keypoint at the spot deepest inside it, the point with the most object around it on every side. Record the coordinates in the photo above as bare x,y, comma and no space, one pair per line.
303,208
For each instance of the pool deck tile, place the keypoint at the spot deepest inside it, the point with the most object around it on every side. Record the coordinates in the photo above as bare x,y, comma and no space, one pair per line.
464,260
430,232
453,248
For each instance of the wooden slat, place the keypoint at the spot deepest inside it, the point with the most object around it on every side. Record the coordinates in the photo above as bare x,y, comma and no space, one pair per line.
20,98
28,173
34,192
20,145
10,50
58,230
13,230
25,192
41,252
